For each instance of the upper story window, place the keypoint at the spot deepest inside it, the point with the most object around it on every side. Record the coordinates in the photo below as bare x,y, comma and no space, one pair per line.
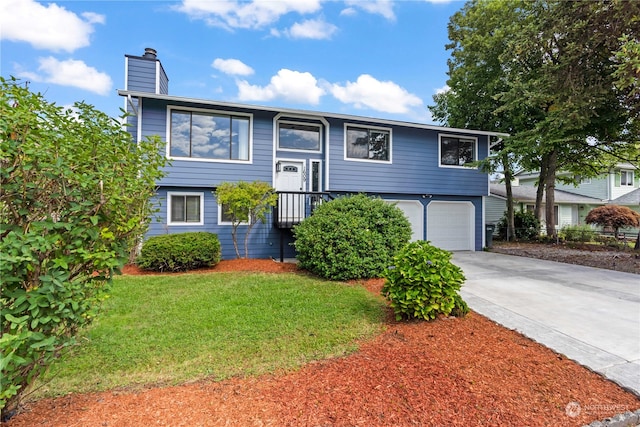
626,178
208,135
299,136
457,151
364,143
185,208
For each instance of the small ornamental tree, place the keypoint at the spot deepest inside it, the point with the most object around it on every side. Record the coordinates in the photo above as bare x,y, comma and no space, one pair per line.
245,203
74,199
614,216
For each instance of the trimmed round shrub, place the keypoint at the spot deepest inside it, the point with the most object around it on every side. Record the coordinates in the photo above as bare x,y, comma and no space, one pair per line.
526,223
423,283
351,237
179,252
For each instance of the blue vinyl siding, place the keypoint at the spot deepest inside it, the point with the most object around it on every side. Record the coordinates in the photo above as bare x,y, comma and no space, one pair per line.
414,168
264,240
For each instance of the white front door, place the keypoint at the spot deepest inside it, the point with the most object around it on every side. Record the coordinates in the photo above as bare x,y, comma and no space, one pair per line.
290,177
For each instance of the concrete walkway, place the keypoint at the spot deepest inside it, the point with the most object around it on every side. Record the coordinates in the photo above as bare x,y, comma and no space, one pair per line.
588,314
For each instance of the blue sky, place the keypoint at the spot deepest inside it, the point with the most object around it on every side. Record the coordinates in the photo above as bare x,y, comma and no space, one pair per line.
381,59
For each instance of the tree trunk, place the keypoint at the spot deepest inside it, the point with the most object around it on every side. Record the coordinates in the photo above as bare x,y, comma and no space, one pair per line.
637,246
234,237
542,179
508,176
550,190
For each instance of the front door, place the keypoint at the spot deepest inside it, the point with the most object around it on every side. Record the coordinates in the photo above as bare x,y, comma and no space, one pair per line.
290,180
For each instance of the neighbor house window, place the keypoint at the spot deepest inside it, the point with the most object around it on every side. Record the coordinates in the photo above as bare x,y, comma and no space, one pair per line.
185,208
626,178
457,151
364,143
203,135
298,136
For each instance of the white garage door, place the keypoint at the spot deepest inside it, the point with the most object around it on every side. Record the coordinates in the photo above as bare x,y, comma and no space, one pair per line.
450,225
414,211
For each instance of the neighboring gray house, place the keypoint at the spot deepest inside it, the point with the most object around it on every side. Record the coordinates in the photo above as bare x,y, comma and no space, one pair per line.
572,203
307,157
569,209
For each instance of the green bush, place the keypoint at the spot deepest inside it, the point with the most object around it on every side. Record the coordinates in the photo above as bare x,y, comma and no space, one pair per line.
351,237
179,252
578,233
526,223
423,283
74,197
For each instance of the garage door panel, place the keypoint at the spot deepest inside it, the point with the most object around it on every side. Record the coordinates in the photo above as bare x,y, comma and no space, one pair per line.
450,225
414,212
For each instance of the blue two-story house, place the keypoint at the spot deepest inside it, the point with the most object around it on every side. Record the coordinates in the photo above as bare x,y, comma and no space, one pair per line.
308,157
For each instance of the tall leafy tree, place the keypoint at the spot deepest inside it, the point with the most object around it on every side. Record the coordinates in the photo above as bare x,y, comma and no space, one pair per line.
74,199
553,81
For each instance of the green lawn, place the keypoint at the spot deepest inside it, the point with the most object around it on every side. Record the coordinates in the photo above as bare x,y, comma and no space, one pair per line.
175,328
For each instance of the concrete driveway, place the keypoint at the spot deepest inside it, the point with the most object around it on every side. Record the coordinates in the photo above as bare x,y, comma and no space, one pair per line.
588,314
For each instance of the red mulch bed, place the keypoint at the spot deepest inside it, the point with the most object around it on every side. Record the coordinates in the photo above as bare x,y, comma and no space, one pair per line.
449,372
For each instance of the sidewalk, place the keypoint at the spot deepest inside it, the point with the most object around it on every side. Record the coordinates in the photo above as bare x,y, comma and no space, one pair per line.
590,315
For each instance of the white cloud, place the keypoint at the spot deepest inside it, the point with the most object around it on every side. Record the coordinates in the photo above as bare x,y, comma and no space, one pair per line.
49,27
312,29
368,92
241,14
287,85
377,7
70,73
232,66
443,89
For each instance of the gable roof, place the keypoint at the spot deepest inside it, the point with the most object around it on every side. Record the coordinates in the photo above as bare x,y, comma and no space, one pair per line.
632,198
171,98
527,193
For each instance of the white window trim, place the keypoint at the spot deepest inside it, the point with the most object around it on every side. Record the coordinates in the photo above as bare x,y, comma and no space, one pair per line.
170,194
350,159
221,222
630,182
475,154
310,169
170,108
295,150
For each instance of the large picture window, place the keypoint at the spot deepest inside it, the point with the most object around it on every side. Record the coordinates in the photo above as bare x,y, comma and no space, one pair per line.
457,151
185,208
203,135
297,136
368,144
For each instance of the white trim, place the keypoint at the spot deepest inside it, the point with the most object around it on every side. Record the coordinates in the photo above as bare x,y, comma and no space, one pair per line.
170,194
126,73
324,143
221,222
351,159
448,135
310,169
290,112
204,110
299,150
139,120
